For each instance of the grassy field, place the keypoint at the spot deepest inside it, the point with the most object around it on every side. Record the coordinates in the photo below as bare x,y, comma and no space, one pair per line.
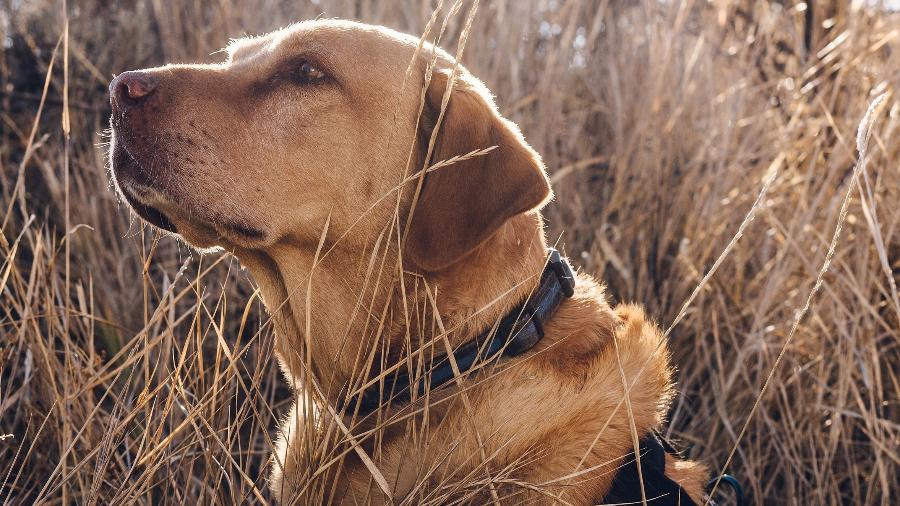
701,152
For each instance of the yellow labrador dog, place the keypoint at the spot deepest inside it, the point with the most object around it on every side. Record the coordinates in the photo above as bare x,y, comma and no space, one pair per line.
390,215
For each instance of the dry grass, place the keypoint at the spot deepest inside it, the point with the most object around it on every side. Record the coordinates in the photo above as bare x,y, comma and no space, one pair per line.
133,369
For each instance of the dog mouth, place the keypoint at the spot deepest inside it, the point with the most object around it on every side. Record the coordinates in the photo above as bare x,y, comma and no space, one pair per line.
148,213
130,178
152,191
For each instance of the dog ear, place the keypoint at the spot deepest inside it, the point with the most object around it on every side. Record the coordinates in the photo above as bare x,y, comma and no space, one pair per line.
463,204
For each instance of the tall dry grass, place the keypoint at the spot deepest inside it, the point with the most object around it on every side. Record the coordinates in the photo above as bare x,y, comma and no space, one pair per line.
133,369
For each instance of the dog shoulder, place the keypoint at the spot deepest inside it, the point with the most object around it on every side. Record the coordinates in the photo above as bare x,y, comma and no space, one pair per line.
589,341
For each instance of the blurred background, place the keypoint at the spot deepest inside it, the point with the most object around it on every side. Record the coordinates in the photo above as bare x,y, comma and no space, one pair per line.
660,121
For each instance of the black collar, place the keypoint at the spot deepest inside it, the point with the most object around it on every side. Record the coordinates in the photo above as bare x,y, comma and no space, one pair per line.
516,333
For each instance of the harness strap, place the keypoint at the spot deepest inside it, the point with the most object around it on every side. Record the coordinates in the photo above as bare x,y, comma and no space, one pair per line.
660,490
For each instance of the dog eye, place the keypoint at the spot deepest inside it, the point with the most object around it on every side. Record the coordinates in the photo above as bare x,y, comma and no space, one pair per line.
307,73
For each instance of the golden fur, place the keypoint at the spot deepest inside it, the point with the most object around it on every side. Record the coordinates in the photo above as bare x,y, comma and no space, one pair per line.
240,156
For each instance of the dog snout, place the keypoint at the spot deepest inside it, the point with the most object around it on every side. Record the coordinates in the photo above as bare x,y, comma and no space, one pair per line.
131,89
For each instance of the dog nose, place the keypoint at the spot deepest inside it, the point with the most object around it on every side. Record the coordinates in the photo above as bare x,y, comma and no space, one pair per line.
131,88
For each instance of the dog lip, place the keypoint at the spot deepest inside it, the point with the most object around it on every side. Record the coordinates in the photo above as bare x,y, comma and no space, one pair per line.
125,165
149,213
145,199
243,230
126,173
147,195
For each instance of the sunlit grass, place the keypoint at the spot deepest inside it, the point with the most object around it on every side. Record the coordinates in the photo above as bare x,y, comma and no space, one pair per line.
133,369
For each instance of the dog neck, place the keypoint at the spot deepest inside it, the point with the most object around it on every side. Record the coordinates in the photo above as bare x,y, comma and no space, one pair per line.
351,312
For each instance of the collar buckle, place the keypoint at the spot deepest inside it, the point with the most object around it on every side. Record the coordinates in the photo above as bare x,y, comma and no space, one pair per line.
563,271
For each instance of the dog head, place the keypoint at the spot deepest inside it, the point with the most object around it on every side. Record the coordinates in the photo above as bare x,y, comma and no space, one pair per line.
324,120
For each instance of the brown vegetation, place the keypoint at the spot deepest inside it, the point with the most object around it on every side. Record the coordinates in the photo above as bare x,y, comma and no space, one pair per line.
135,369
